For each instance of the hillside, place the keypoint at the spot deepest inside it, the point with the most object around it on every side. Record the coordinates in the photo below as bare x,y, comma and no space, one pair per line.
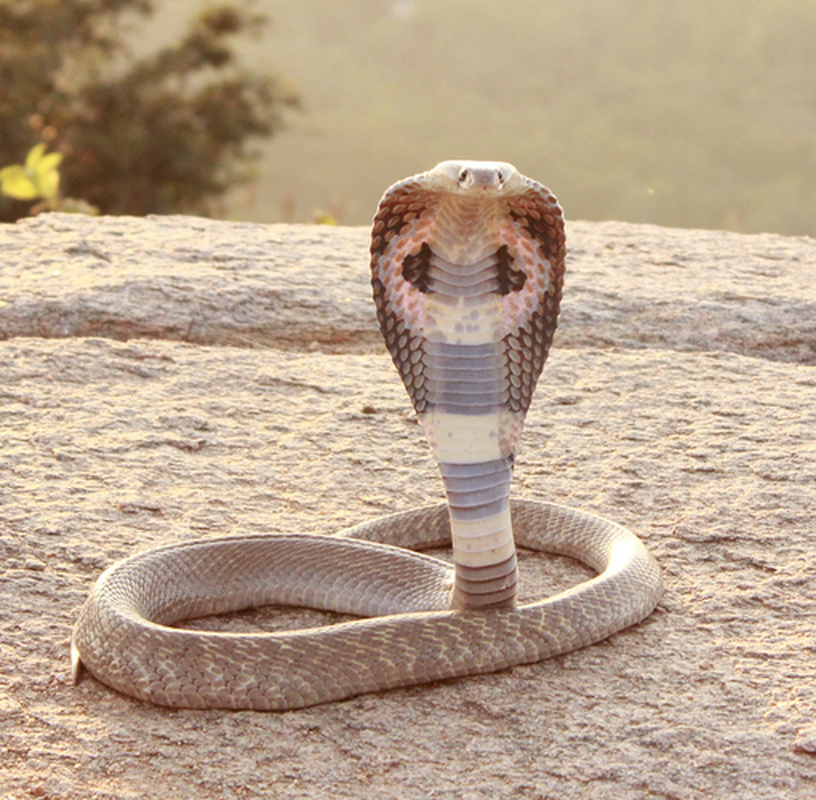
688,115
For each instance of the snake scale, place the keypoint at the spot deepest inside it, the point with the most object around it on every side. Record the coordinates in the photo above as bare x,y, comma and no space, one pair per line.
467,264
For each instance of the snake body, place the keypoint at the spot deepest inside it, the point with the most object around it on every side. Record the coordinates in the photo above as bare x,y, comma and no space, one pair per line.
467,264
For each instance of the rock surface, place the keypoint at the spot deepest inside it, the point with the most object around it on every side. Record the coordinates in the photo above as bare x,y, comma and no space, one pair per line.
252,393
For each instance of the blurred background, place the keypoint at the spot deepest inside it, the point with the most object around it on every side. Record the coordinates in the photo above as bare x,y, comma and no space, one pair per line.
692,114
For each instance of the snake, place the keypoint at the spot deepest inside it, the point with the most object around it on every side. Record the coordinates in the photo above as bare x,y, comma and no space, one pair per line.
467,266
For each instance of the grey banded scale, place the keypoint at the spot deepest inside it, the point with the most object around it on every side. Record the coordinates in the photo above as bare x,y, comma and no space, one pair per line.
467,266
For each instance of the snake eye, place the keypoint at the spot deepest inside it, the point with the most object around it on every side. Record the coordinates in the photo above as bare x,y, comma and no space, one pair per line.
464,174
500,178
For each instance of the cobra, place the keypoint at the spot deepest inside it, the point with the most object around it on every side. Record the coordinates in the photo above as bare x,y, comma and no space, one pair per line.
467,265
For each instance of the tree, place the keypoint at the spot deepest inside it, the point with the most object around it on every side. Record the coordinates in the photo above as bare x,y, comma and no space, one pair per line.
168,132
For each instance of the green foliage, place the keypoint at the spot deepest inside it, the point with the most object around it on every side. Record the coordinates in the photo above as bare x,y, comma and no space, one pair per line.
39,179
167,132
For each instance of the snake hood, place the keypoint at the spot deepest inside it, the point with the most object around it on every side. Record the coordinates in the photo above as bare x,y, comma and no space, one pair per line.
469,255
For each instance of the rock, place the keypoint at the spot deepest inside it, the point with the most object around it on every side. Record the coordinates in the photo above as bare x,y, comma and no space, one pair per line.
291,286
173,378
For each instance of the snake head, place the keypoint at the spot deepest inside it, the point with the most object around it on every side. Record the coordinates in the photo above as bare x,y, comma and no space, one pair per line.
465,177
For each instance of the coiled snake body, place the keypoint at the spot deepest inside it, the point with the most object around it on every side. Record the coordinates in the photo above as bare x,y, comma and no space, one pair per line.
467,265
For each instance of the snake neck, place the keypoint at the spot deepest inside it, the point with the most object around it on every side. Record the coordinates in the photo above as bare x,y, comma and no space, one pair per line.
471,429
484,551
